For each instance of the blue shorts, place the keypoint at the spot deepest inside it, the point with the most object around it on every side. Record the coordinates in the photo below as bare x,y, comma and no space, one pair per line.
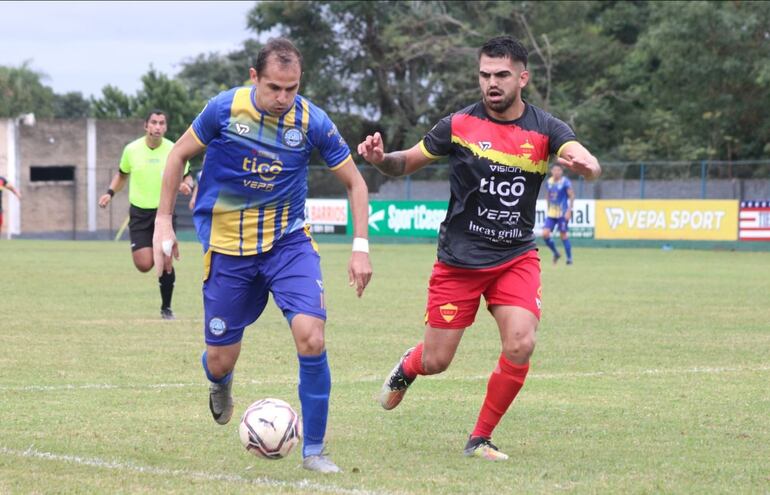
561,222
236,289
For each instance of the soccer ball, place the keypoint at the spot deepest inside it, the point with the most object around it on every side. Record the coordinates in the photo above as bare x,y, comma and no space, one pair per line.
270,429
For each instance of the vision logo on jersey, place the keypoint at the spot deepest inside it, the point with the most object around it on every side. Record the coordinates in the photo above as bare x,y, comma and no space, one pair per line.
217,326
485,145
293,137
448,311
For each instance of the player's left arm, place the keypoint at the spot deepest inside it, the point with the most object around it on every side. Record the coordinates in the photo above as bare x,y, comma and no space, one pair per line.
359,267
577,158
164,244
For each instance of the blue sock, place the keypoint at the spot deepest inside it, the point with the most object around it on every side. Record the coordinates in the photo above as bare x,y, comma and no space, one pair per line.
567,248
552,246
315,383
211,378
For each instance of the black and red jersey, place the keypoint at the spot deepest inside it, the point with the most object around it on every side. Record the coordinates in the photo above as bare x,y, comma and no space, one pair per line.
496,172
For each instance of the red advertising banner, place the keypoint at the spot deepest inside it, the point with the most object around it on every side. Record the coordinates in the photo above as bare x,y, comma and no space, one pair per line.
754,221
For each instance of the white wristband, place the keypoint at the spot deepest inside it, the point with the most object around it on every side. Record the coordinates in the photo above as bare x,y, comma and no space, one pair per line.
361,244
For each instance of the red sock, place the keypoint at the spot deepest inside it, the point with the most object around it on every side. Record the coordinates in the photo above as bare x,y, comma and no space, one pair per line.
504,383
413,362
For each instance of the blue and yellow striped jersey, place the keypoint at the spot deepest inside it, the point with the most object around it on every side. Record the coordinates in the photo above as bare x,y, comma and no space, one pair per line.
253,184
558,196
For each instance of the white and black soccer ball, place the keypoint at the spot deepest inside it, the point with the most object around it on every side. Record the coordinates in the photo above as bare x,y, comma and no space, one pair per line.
270,429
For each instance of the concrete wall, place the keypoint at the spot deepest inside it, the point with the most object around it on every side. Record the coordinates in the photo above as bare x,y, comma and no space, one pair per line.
61,208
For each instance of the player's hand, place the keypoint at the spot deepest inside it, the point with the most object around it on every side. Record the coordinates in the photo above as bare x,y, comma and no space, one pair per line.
568,215
185,188
581,165
164,245
359,271
371,149
104,200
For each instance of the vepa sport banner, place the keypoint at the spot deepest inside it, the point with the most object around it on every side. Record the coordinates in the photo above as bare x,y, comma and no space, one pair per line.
712,220
404,218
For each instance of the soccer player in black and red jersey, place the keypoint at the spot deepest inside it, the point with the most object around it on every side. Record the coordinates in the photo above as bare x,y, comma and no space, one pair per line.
498,151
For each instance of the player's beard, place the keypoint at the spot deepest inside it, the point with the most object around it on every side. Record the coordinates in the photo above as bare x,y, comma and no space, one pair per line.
502,105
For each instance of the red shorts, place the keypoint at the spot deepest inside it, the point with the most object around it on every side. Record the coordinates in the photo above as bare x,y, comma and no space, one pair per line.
454,293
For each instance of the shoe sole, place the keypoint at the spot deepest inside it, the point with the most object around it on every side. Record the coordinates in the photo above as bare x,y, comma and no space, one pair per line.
496,457
324,470
389,399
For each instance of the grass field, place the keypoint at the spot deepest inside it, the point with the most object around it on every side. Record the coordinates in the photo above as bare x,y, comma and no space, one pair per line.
651,375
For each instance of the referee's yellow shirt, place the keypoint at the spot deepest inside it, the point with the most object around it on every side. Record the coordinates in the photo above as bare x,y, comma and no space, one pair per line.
145,167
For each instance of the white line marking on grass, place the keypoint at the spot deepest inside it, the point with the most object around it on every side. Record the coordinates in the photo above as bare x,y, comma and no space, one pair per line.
369,379
183,473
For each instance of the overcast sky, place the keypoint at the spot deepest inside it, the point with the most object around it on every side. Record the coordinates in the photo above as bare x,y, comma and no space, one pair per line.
83,46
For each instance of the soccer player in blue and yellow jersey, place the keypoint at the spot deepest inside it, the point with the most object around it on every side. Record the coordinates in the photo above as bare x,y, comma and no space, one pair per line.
249,215
498,152
561,198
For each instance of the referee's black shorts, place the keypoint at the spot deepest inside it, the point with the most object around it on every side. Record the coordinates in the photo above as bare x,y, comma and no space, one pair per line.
141,226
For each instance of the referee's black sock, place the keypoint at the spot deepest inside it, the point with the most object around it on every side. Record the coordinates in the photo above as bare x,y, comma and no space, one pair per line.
166,282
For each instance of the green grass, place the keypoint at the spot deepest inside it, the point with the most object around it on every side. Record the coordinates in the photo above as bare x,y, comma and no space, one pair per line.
650,376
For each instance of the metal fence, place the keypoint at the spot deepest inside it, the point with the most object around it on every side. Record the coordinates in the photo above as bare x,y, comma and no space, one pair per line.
741,180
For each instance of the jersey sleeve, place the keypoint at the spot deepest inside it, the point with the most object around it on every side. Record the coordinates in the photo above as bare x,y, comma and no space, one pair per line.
205,127
559,134
567,183
125,161
330,143
438,141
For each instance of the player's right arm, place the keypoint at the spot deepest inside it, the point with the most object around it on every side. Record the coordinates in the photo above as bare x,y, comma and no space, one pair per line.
13,190
164,244
116,184
396,163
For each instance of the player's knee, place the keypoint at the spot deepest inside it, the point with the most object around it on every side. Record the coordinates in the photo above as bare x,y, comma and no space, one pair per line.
143,266
219,364
519,350
435,364
311,344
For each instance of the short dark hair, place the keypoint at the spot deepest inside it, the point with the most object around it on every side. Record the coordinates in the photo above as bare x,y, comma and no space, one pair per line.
505,47
155,111
283,49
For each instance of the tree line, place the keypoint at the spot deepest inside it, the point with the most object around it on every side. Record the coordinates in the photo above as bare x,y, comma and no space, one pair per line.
637,80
